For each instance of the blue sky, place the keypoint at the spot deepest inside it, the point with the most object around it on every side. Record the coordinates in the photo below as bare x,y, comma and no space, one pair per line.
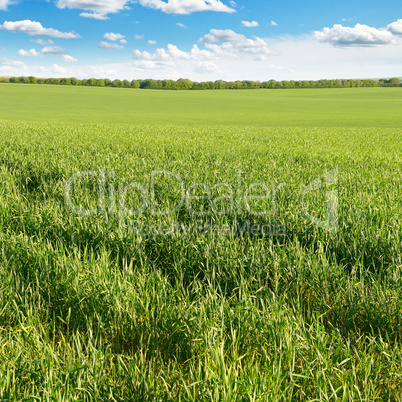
201,39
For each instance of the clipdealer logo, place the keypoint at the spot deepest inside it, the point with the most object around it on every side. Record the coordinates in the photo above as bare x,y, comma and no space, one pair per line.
238,200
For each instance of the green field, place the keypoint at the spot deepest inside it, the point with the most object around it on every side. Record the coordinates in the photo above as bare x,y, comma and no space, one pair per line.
347,107
112,307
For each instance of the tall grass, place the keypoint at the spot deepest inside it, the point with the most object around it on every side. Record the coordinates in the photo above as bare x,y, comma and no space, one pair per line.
90,311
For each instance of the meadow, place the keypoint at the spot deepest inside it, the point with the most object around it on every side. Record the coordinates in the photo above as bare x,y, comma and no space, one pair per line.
343,107
93,308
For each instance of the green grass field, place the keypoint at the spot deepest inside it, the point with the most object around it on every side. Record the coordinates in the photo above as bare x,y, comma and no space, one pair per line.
92,308
348,107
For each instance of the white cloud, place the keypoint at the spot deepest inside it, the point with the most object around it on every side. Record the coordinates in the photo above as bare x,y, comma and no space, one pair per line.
29,53
59,69
250,24
222,35
360,35
35,28
95,16
292,58
230,47
107,45
146,65
54,50
4,4
99,72
187,6
98,8
12,67
233,45
42,42
179,24
123,41
286,58
310,59
69,59
280,68
206,67
138,37
151,42
171,54
396,27
11,63
274,24
113,36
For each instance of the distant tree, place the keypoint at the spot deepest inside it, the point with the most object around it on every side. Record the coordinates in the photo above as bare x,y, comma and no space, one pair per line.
117,84
202,86
149,84
186,84
167,84
368,83
65,81
75,81
135,84
183,83
220,84
270,84
304,84
250,84
92,82
394,82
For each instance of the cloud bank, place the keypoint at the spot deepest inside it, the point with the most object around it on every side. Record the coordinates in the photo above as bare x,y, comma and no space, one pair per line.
360,35
396,27
34,28
187,6
99,9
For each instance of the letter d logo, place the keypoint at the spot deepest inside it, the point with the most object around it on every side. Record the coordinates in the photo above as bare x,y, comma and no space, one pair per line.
330,224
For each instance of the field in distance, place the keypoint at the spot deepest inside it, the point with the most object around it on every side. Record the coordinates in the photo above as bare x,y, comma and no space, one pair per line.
347,107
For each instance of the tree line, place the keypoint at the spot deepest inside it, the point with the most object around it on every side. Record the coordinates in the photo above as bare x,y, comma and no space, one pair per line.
186,84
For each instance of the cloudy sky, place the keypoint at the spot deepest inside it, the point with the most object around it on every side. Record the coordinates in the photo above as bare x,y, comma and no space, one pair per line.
201,39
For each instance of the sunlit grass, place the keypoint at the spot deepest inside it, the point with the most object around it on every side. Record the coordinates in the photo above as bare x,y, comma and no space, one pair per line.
90,312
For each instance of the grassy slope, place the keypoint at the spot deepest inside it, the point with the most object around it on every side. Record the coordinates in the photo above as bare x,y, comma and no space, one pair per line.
365,107
88,311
